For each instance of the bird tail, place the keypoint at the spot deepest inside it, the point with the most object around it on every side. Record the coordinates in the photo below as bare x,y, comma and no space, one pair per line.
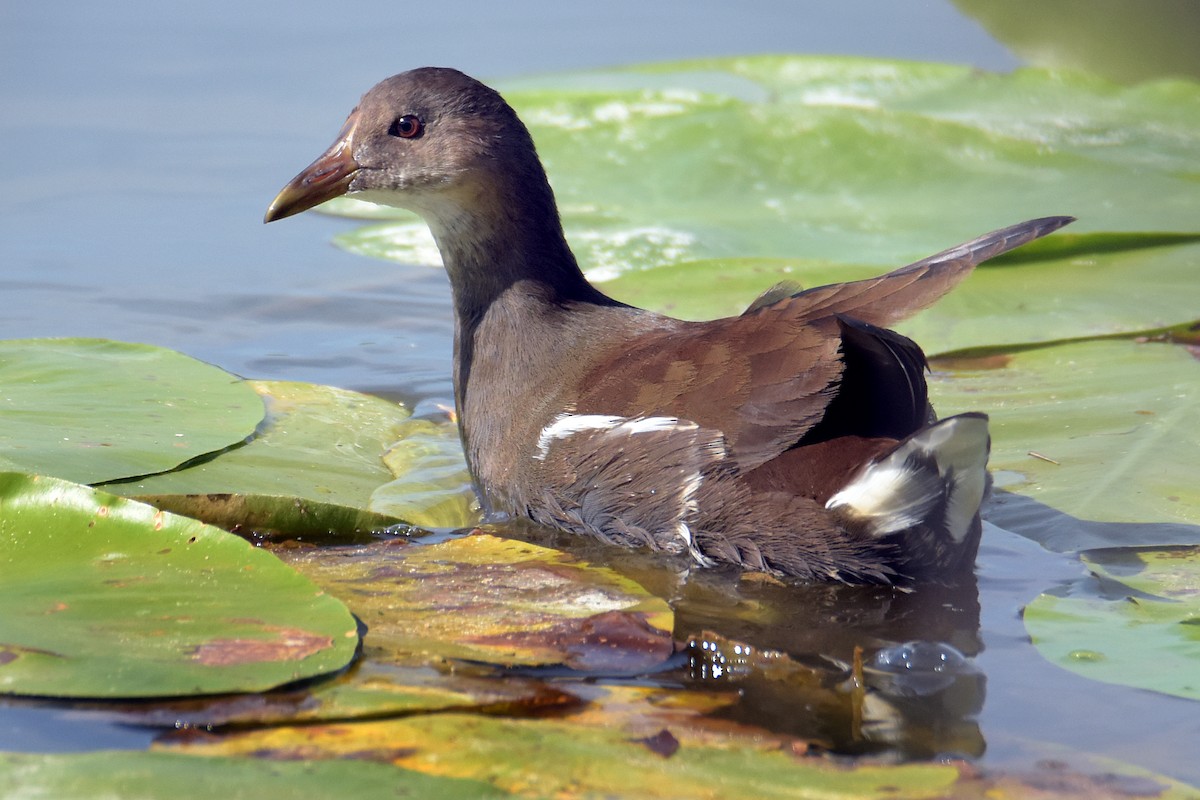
924,497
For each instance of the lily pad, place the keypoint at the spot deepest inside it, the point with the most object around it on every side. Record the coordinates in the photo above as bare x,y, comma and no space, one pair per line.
91,410
317,467
106,597
483,598
152,776
1140,626
1105,430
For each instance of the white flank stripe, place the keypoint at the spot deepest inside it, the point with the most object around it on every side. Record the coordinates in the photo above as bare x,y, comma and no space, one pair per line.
567,424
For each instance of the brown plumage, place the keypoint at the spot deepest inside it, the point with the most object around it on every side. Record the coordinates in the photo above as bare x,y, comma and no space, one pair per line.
796,438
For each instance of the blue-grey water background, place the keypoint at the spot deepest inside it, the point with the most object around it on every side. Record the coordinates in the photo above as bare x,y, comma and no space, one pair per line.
143,140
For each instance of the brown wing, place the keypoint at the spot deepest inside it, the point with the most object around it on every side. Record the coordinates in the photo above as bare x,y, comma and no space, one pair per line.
761,380
767,378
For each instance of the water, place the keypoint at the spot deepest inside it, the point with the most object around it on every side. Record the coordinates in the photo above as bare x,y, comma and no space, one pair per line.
144,141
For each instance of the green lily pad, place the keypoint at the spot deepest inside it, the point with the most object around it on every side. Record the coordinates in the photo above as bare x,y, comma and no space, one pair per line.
106,597
1140,627
153,776
317,467
91,410
483,598
1105,430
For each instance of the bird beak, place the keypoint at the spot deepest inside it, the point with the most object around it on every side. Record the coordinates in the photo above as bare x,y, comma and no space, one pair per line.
324,179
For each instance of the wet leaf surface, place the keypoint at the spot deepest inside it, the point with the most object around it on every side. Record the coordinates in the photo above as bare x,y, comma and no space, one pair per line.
432,486
483,598
105,597
92,410
1136,622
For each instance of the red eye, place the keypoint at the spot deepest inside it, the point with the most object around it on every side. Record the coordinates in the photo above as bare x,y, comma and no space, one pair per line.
407,127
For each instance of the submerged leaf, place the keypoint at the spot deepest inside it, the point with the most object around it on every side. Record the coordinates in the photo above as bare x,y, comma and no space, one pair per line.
369,690
105,597
483,598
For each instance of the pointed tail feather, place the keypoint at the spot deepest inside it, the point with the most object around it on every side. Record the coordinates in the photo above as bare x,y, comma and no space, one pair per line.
926,495
899,294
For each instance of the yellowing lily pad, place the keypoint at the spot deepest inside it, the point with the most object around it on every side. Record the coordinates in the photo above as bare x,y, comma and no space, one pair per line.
1140,627
637,742
502,601
91,410
555,758
106,597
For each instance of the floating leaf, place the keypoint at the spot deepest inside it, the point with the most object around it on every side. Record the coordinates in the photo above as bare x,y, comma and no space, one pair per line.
315,467
1106,430
484,598
105,597
91,410
1142,629
152,776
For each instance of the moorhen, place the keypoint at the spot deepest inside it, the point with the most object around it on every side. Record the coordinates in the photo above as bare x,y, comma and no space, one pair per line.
796,438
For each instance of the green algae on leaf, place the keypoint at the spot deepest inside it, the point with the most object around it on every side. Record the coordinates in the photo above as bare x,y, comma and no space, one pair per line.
483,598
1140,628
106,597
92,410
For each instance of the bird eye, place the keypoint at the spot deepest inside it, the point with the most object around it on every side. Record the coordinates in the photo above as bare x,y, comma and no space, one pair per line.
407,127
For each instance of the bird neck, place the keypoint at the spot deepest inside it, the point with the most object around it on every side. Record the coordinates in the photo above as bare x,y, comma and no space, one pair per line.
500,233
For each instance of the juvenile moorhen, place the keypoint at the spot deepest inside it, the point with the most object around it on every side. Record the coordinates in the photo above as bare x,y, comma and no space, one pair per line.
796,438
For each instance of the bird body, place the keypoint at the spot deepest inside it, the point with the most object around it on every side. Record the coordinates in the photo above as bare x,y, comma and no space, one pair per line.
795,438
